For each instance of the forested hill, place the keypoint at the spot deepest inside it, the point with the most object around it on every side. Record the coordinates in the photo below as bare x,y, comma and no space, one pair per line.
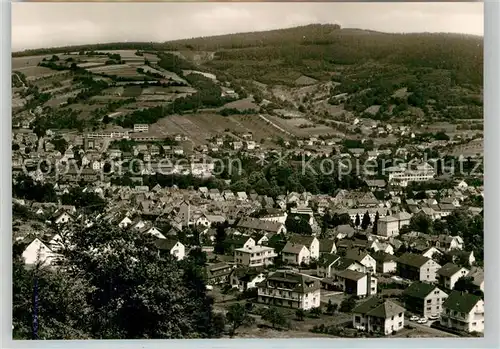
321,47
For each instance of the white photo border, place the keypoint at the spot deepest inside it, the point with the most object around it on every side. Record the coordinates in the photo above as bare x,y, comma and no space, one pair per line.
491,338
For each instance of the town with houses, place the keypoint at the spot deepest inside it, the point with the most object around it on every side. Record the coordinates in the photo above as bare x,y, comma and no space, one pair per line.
295,215
400,278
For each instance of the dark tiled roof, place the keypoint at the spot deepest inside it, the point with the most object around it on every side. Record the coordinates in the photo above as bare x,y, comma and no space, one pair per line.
381,256
461,301
302,239
419,290
350,274
166,244
343,263
356,254
297,282
258,224
414,260
378,308
448,269
326,245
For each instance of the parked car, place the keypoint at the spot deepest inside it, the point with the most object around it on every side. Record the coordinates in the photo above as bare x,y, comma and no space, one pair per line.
414,318
422,320
434,317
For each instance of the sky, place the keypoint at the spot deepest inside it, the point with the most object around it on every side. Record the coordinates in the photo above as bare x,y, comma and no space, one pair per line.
37,24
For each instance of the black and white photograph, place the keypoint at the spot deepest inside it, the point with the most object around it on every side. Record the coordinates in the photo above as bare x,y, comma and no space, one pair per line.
247,170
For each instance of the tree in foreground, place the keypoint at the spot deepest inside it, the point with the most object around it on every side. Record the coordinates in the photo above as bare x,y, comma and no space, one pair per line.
357,221
316,312
113,284
238,316
300,314
365,223
275,317
347,305
331,308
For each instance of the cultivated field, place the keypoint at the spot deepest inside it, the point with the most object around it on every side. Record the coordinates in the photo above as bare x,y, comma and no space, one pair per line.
292,126
201,126
31,61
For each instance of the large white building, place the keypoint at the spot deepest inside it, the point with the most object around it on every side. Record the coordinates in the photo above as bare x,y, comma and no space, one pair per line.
254,256
389,226
141,128
291,290
402,176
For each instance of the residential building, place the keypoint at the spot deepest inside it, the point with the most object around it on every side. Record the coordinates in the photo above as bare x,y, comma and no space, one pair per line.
173,246
385,262
261,225
329,264
424,299
254,256
363,258
477,275
237,242
463,312
379,316
417,267
301,249
449,274
291,290
244,278
327,246
356,283
218,273
389,226
38,252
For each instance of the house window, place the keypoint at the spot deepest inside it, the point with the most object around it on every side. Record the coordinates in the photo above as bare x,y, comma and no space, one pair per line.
400,324
428,308
429,301
357,319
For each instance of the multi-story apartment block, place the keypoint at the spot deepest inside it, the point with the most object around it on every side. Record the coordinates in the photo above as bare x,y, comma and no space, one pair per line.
424,298
254,256
389,226
141,128
356,283
291,290
416,267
